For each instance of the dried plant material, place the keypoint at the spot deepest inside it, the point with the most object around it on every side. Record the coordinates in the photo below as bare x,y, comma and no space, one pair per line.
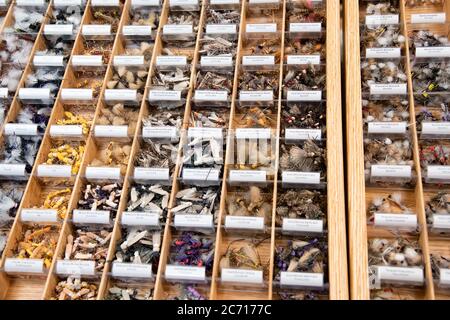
212,46
156,154
119,115
139,48
434,153
301,256
217,118
75,289
58,200
192,249
254,203
210,80
255,117
189,292
222,16
185,17
439,262
37,242
139,246
303,116
28,19
110,15
423,38
389,294
177,79
198,201
392,204
383,7
10,196
242,256
380,71
88,243
72,119
153,198
265,47
98,48
162,117
305,47
101,197
398,252
112,154
306,12
394,110
128,78
309,157
387,151
203,152
431,77
438,204
123,292
66,154
382,37
259,80
144,17
301,204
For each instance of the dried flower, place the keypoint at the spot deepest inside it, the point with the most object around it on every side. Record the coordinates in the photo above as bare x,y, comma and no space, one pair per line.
387,151
192,249
378,71
394,110
382,37
434,153
66,154
438,204
189,292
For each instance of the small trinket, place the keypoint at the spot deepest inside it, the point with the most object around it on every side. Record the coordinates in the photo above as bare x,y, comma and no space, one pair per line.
438,204
119,115
75,289
155,154
392,204
101,197
385,36
394,110
439,262
434,153
127,293
259,80
305,47
387,151
58,200
128,79
37,242
301,204
300,256
113,154
139,246
242,254
383,7
177,79
72,119
192,249
28,19
66,154
303,116
209,80
188,292
388,72
198,201
154,198
253,203
431,77
398,252
309,157
89,243
10,196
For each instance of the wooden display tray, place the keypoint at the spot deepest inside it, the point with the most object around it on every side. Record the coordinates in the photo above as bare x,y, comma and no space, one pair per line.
12,287
359,195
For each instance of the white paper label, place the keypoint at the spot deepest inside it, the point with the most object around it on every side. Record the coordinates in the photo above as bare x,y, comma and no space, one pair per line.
171,60
182,3
129,60
387,127
67,3
304,95
109,3
90,216
258,60
400,274
12,170
39,215
54,171
439,17
436,128
96,30
246,223
304,279
193,221
257,95
140,218
216,61
58,29
248,176
164,95
302,59
441,221
34,93
382,19
242,276
21,129
91,61
221,28
201,174
131,270
261,27
48,61
137,30
174,272
302,225
204,132
444,276
305,27
152,3
27,3
383,89
75,267
438,172
4,93
303,134
102,173
393,171
76,94
210,95
301,177
433,52
120,94
177,29
395,220
69,130
111,131
159,132
253,133
24,265
383,53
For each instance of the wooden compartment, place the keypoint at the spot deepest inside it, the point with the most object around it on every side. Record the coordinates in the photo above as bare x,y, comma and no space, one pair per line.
416,112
